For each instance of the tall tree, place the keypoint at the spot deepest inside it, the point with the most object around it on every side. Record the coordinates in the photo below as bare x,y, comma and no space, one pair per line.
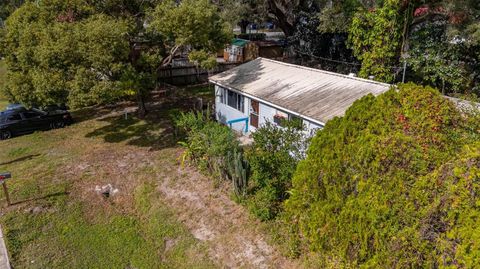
243,12
444,43
375,37
84,53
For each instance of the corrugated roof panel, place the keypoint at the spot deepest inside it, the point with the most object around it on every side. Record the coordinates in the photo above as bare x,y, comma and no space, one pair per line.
313,93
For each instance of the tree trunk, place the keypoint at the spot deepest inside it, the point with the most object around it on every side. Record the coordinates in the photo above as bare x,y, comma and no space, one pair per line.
134,56
142,109
284,13
243,26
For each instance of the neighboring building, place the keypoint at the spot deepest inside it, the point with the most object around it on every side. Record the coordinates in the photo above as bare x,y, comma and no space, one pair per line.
262,90
242,50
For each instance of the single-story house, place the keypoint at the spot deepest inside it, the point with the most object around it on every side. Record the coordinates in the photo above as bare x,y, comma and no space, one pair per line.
249,95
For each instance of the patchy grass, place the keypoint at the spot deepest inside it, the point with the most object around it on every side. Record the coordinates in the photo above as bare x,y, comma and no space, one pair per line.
206,91
162,216
59,221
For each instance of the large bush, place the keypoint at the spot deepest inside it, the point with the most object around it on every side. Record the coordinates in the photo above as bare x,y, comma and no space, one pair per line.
273,158
393,184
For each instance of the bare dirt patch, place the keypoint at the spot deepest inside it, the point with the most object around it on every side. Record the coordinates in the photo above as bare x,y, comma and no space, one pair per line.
234,238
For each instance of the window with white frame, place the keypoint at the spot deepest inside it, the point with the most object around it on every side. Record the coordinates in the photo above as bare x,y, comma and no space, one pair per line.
235,100
232,99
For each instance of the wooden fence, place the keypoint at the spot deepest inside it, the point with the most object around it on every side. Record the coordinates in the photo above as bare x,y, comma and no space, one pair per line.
185,75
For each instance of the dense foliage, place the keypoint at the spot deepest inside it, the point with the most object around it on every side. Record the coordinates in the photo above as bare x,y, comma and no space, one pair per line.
273,158
213,148
375,39
262,176
81,62
450,64
87,52
393,184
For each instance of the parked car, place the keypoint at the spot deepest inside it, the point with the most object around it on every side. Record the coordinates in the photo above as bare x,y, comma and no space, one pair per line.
20,120
14,106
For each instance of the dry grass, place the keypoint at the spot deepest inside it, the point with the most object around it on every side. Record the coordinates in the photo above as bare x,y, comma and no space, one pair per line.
59,221
163,216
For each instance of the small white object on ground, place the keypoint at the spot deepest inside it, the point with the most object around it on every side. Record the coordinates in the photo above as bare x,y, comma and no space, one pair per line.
106,190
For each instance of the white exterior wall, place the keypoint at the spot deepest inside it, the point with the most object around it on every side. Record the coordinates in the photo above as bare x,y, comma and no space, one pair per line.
266,113
311,126
225,113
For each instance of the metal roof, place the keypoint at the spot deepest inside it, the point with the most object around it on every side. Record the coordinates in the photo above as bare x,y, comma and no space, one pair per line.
312,93
239,42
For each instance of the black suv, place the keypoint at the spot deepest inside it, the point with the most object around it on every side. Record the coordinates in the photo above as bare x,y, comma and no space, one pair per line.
20,120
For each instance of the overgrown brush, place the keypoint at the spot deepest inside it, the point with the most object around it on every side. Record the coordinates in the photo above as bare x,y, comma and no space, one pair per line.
213,148
273,158
395,183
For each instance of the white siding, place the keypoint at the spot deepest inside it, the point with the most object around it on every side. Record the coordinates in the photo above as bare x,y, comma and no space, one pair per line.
225,113
312,126
266,113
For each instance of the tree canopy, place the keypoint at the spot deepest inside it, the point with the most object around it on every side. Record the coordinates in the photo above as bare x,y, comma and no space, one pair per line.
82,53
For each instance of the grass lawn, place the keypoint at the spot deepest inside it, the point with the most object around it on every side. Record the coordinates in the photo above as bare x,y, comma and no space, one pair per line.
58,220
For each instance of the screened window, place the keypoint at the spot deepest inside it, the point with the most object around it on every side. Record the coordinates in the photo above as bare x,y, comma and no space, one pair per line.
235,100
296,121
283,118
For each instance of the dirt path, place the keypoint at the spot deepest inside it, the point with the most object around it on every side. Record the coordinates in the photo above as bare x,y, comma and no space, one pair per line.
233,238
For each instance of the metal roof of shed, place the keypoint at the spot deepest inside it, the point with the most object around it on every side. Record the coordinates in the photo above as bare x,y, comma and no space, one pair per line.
308,92
239,42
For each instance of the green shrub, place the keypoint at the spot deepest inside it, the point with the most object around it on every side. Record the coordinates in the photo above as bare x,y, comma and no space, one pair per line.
273,158
264,203
395,183
189,122
214,148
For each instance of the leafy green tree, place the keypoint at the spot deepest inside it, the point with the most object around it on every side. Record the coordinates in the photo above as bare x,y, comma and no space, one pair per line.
392,184
443,46
76,59
193,23
85,53
243,13
375,37
436,60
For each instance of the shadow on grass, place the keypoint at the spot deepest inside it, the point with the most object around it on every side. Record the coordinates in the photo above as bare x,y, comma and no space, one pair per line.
25,158
56,194
155,131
